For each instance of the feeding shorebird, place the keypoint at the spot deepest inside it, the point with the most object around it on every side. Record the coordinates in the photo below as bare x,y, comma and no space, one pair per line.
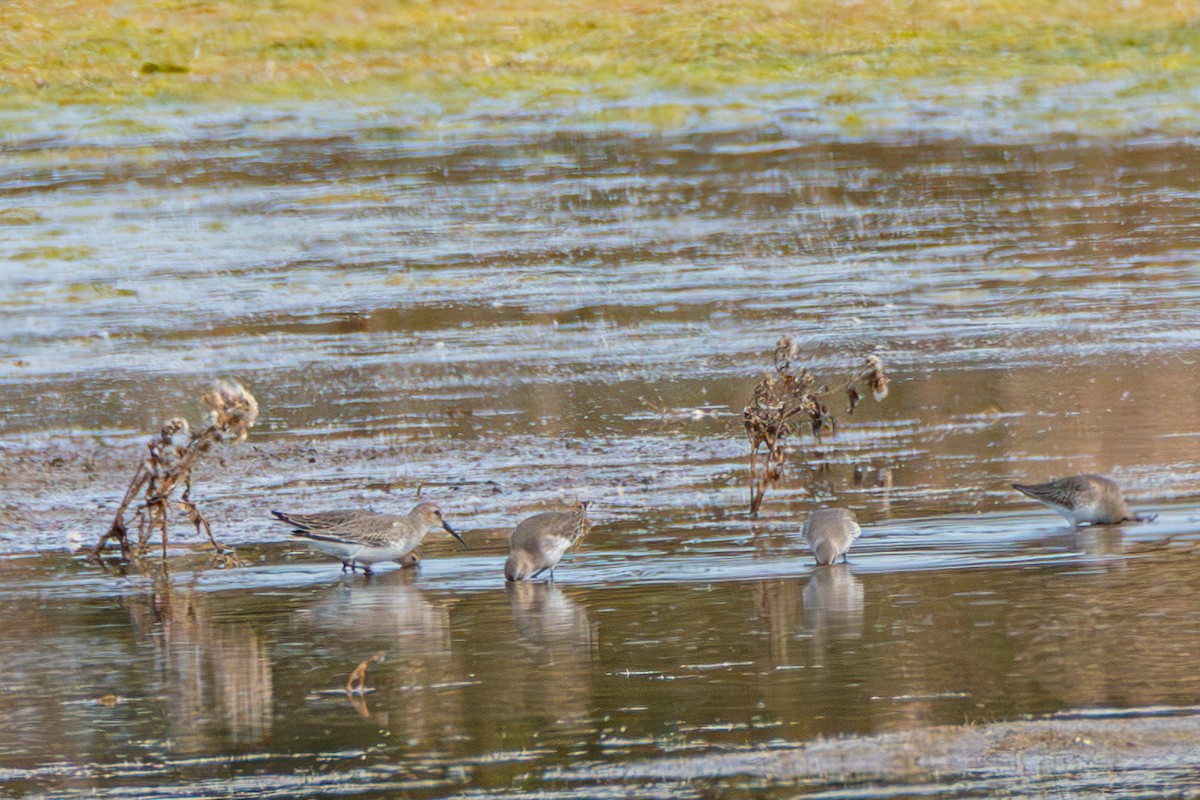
362,538
538,543
830,532
1090,499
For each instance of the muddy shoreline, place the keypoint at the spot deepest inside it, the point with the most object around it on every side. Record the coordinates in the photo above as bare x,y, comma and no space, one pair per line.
1123,752
507,318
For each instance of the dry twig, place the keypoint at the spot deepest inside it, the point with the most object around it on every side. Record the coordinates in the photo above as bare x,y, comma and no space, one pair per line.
174,453
783,402
358,679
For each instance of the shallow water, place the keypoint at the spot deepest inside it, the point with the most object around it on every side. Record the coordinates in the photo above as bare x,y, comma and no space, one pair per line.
512,318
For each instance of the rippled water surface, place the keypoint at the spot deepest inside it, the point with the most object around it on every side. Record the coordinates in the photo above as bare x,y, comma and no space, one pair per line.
512,316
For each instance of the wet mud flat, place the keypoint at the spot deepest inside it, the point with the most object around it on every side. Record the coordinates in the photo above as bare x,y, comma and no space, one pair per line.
1077,756
680,653
506,320
683,651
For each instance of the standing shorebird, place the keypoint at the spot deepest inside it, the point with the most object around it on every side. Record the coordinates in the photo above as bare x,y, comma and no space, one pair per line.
1090,499
362,538
537,544
830,532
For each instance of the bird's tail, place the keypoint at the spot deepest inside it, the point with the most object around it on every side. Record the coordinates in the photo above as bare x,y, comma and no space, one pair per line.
582,525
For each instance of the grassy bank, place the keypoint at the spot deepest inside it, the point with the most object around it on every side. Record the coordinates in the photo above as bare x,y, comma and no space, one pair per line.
457,51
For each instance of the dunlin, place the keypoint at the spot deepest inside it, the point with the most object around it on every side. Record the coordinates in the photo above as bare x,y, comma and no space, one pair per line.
833,604
1083,499
362,538
830,532
538,543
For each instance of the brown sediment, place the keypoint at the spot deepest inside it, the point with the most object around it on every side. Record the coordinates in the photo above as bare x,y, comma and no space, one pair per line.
1007,752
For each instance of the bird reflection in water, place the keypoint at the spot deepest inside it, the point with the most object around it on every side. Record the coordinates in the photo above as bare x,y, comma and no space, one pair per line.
393,609
833,605
544,615
549,668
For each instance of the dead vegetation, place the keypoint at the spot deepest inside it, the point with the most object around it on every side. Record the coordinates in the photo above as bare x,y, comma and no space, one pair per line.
357,684
786,403
174,454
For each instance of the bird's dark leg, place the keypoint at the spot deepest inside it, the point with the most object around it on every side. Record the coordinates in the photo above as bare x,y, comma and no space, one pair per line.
346,565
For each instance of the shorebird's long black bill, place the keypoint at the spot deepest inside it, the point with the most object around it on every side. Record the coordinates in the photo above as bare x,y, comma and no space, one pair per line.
454,533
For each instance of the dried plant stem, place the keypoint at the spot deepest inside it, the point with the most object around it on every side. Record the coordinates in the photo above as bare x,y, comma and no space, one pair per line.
778,406
197,517
174,454
358,678
154,512
117,530
765,472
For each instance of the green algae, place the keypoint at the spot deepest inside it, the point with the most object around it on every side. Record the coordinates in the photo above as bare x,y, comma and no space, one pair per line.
54,253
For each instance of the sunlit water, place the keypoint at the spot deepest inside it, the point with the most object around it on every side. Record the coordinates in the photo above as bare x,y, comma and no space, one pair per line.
509,319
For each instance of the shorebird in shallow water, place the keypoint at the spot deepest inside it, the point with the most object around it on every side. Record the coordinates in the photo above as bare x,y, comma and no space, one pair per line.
1084,499
362,538
538,543
830,532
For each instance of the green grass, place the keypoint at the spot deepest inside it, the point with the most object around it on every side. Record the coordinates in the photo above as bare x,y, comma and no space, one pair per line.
457,52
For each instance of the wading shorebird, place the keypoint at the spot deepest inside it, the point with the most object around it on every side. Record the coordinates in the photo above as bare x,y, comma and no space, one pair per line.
362,538
830,532
1084,499
537,544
